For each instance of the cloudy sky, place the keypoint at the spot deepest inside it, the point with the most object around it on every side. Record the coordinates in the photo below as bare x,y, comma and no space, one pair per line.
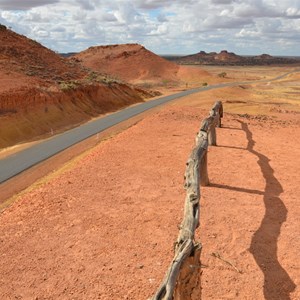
162,26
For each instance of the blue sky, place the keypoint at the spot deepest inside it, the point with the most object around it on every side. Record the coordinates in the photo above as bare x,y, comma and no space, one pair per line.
162,26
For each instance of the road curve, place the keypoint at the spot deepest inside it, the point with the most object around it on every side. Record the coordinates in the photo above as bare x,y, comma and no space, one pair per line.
16,163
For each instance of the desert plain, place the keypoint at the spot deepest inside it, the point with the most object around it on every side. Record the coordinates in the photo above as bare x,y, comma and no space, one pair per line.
102,222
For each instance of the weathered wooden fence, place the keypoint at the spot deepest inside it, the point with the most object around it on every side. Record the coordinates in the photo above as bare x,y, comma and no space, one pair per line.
181,276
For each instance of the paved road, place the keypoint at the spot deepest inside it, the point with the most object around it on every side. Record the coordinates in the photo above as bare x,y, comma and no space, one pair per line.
23,160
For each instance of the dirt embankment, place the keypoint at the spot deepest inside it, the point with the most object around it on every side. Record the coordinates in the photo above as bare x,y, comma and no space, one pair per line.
42,93
34,113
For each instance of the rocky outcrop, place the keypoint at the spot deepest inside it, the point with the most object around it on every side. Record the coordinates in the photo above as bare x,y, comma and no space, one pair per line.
230,58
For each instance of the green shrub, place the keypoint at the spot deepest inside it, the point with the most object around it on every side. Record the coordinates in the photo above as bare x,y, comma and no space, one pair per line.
2,27
66,86
222,75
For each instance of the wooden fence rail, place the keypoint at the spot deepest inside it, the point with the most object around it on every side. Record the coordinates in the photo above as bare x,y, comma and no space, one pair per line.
181,278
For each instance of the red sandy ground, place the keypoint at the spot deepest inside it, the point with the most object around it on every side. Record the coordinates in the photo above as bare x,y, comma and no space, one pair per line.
104,228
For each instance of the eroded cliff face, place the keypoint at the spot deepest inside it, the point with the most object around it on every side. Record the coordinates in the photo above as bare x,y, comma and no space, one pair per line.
32,113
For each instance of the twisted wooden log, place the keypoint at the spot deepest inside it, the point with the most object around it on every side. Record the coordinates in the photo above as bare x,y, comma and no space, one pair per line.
178,279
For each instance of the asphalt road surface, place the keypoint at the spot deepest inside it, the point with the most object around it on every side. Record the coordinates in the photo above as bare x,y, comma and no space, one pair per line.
16,163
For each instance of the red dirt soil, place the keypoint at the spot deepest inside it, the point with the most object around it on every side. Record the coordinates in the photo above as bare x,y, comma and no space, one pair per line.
104,227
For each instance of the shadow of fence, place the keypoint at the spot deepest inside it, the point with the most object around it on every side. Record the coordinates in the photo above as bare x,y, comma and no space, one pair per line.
277,283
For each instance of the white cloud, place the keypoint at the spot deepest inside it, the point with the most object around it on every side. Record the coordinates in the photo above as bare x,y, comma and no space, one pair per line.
86,4
220,2
248,34
153,4
24,4
293,12
226,22
163,26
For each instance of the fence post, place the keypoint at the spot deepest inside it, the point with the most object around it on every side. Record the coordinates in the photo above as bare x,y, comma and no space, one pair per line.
220,113
212,136
204,181
188,282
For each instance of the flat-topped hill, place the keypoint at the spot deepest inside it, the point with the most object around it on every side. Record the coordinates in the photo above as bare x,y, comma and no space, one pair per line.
230,58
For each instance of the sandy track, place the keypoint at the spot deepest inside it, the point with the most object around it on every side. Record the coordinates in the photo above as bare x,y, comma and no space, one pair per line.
104,228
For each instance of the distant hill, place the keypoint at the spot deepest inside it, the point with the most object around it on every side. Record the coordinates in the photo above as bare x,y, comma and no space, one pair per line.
69,54
129,62
230,58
